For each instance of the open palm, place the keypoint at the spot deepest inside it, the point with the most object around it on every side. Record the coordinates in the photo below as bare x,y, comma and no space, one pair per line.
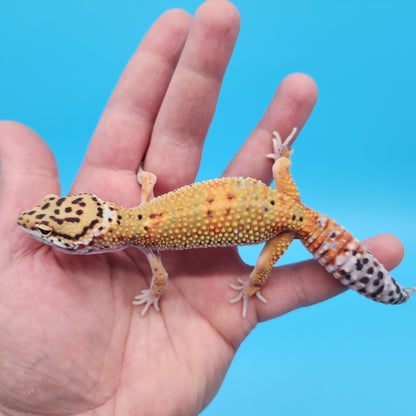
71,341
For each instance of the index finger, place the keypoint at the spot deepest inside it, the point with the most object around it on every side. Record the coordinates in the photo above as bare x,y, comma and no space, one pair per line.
123,133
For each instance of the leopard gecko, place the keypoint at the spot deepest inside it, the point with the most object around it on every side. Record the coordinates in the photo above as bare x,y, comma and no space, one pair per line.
219,212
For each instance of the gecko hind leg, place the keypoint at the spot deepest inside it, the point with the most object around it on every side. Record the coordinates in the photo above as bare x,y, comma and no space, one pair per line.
281,167
276,246
272,251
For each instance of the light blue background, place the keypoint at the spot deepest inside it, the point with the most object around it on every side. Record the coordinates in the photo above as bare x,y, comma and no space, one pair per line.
354,161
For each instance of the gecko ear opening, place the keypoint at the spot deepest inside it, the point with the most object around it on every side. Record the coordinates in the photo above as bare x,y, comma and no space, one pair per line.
44,229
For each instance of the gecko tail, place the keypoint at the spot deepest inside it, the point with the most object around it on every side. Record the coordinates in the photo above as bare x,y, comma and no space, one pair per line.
409,292
349,262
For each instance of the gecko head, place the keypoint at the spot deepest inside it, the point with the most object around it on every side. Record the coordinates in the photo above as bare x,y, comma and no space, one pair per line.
71,223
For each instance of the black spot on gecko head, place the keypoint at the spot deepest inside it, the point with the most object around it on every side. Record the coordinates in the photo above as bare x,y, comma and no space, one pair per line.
77,201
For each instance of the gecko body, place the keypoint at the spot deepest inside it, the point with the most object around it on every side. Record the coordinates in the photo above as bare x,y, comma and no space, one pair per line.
214,213
219,212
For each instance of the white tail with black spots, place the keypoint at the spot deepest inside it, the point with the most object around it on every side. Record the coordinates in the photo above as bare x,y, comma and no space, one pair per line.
348,261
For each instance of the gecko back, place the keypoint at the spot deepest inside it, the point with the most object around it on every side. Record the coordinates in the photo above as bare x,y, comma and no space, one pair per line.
218,212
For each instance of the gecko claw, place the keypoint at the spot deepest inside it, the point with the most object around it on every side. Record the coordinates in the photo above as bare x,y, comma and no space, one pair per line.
242,295
280,146
148,299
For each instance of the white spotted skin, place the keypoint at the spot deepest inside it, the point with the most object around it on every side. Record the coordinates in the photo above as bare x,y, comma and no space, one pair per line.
355,267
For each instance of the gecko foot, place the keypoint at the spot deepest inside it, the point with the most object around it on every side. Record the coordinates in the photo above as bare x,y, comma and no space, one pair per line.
147,181
242,295
148,298
280,147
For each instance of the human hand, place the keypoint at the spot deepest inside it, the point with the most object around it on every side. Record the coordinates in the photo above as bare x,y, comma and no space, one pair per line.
71,340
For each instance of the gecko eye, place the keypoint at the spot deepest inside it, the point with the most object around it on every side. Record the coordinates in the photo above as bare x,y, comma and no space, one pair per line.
44,229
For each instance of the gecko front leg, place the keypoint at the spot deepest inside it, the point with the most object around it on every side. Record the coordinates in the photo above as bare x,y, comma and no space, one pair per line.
147,181
150,297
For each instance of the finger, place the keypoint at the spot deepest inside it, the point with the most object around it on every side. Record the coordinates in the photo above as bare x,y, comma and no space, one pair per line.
123,133
28,172
290,107
187,110
307,283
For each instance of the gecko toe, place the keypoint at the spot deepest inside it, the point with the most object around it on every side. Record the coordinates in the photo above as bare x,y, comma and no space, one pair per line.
148,299
241,295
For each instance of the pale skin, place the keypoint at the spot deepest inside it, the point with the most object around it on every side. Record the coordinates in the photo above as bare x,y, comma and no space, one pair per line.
71,342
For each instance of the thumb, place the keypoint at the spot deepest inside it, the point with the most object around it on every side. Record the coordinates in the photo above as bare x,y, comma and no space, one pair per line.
28,173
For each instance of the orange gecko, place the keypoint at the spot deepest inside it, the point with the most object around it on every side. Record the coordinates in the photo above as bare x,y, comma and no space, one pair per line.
219,212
